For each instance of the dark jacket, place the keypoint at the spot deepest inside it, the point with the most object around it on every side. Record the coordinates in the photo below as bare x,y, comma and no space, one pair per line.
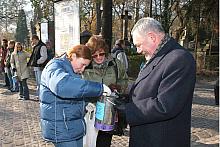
36,55
8,57
62,105
159,113
3,53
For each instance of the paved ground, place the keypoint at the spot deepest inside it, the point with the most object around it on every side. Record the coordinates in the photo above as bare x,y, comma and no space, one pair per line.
19,120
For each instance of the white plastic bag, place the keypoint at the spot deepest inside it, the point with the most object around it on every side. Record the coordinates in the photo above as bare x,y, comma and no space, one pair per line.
89,140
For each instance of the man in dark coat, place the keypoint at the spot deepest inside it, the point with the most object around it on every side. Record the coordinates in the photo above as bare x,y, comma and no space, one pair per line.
159,112
3,54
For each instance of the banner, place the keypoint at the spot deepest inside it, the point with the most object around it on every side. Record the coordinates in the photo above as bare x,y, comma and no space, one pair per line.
44,31
67,25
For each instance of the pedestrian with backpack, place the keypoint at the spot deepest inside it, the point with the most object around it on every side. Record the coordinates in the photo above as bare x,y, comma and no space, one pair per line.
119,52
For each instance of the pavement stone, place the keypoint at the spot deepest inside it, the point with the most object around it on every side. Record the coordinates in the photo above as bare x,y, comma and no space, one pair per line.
20,127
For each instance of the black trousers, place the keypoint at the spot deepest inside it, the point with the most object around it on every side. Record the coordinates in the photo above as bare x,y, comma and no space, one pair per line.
103,139
23,89
6,80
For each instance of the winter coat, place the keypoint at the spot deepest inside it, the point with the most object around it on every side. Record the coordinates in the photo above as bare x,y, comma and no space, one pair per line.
19,62
38,57
111,72
3,53
159,113
62,105
8,57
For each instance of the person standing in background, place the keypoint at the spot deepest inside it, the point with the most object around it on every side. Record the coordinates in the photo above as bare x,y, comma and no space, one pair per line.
38,59
3,53
118,52
50,51
13,86
159,111
19,65
63,96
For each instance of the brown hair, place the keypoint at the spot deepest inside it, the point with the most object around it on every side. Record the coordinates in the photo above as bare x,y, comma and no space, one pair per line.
35,37
5,40
96,43
81,51
11,42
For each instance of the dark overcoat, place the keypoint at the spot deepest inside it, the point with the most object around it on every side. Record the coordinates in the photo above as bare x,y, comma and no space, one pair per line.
159,113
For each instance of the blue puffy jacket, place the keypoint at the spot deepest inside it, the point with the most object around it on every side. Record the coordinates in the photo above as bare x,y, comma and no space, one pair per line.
62,105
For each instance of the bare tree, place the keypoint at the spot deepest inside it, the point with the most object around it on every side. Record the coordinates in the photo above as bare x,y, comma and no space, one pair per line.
9,12
107,22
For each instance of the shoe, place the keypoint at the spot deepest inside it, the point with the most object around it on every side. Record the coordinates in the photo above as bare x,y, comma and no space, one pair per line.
26,99
12,90
16,90
21,97
5,85
9,88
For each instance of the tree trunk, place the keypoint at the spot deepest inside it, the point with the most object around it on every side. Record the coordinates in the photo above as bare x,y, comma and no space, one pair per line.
137,11
150,11
98,17
107,22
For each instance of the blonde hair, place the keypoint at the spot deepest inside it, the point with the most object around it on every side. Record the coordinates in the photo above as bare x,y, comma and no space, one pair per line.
15,49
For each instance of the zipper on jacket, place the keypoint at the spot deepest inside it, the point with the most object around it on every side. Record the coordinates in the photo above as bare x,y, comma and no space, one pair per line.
64,117
83,114
55,130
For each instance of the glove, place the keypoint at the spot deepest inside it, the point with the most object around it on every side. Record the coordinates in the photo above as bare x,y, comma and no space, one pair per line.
106,90
121,99
121,110
120,105
14,70
124,98
114,87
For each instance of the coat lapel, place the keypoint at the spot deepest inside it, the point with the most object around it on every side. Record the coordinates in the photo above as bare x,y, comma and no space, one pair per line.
154,62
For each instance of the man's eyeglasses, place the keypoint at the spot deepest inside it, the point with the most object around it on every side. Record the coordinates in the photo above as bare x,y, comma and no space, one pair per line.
100,55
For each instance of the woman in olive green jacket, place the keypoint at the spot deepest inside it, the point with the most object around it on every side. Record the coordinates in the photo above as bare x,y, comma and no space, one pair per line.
104,68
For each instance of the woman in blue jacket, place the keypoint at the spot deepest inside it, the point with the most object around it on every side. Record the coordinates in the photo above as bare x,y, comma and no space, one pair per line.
63,94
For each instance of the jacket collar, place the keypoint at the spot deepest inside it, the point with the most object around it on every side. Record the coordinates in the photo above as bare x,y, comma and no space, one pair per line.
146,70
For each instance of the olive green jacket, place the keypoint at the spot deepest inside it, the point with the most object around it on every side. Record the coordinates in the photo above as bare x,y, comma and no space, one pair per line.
112,71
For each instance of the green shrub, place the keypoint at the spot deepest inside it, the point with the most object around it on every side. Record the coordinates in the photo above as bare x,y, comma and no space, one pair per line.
212,62
29,50
134,65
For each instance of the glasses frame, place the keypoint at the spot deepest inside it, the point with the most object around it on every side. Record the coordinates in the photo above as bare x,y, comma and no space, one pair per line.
99,55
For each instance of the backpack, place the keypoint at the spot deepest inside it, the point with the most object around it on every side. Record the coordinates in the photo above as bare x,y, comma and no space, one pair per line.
123,58
116,51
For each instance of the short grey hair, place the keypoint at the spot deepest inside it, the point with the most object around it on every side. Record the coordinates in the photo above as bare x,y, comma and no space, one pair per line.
146,24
